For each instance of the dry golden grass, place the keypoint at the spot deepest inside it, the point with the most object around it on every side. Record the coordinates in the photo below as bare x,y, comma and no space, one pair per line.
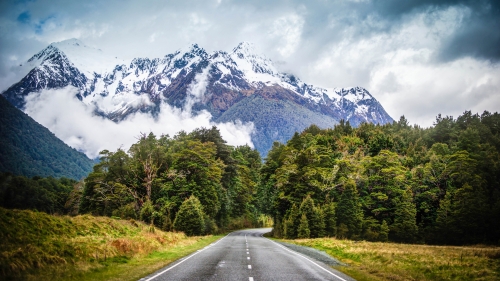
391,261
38,246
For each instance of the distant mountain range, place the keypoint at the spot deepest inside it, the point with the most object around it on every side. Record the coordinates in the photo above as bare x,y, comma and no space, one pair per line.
29,149
236,85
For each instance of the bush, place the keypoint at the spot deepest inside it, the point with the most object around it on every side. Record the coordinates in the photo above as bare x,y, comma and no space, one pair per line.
189,219
126,212
147,210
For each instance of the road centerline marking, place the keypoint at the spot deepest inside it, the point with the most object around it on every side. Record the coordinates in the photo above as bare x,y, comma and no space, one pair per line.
249,266
185,259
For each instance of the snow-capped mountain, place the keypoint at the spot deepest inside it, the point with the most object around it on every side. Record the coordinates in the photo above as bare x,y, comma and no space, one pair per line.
240,84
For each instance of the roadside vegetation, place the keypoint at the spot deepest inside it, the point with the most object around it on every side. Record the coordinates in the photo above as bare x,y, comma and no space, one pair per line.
38,246
372,261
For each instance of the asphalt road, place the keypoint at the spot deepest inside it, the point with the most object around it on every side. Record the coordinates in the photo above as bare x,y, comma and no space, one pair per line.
246,255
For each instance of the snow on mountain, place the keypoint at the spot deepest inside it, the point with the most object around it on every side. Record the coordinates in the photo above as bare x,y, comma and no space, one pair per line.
118,88
86,59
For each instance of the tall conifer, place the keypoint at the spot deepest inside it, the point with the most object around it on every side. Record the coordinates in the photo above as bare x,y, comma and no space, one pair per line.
303,231
349,210
330,222
404,228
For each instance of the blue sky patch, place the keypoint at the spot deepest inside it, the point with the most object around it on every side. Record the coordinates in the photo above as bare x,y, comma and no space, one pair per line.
24,17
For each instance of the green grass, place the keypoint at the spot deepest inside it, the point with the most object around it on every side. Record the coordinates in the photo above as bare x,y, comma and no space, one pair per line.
38,246
391,261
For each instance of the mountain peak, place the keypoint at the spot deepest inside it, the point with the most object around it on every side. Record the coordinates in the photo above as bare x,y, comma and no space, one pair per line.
245,48
192,48
88,60
69,42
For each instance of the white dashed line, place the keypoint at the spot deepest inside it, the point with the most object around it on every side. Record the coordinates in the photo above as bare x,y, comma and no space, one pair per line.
248,258
250,278
248,253
249,266
185,259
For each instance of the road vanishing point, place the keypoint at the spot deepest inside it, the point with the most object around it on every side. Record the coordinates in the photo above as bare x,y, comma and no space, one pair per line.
246,255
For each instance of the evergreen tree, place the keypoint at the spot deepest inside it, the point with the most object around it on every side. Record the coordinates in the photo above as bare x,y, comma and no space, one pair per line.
189,219
349,211
291,223
330,222
462,217
384,232
404,228
307,208
318,221
314,217
303,231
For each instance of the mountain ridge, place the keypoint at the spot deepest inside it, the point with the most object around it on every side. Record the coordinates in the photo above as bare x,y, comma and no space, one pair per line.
229,78
29,149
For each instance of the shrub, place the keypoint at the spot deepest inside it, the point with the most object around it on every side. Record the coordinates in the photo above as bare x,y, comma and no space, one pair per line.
189,219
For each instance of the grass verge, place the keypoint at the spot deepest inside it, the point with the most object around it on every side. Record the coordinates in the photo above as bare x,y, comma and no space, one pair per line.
391,261
38,246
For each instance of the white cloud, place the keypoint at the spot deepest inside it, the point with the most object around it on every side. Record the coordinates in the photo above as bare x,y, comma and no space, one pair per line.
390,48
449,89
196,90
400,70
288,30
74,122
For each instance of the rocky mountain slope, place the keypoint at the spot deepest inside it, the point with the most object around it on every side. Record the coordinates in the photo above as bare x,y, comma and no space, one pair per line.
230,85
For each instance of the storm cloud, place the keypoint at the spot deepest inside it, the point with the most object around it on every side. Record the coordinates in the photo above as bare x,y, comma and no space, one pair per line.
417,57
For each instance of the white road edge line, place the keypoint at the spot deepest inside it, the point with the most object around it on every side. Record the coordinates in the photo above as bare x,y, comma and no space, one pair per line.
185,259
291,251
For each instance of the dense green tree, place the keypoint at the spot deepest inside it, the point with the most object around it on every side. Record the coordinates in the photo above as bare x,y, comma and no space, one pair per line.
318,223
189,219
291,223
147,212
43,194
349,211
303,230
330,220
201,172
384,232
404,228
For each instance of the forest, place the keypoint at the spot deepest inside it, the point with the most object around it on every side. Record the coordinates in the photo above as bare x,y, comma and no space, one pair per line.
29,149
393,182
397,182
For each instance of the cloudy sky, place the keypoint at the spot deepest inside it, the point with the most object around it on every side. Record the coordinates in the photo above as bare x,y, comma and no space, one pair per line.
417,57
